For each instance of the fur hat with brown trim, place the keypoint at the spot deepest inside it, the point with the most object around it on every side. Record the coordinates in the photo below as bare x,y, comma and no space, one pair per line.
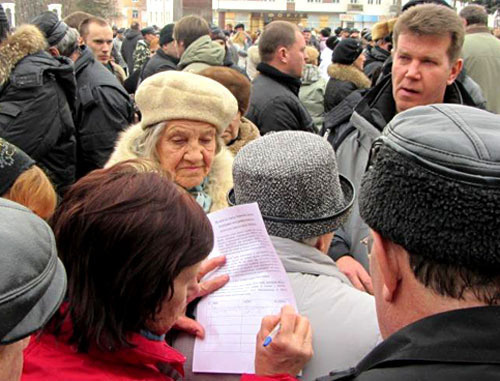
175,95
380,30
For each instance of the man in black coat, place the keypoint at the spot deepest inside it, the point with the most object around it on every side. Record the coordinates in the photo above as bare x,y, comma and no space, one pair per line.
274,103
165,57
37,94
103,108
376,56
129,44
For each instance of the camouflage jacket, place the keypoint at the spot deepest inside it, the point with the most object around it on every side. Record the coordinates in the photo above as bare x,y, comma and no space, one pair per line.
141,54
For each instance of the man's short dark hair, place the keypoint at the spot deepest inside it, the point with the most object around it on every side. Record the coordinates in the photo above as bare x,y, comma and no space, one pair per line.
189,28
123,237
474,14
276,34
134,26
84,26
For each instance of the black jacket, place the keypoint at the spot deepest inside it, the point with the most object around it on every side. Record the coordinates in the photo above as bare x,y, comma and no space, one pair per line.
103,110
460,345
344,79
274,103
161,61
375,59
128,47
37,93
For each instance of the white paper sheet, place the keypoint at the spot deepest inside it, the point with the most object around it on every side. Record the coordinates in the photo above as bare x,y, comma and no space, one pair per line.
258,287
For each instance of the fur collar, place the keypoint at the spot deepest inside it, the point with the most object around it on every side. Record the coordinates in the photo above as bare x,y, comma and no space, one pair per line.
248,132
25,41
349,73
220,178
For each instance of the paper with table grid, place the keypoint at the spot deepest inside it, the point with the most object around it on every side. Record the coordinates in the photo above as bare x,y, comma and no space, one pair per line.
258,287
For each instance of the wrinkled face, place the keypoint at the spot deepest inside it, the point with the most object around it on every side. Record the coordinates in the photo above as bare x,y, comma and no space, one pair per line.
422,70
185,290
186,150
296,56
232,131
100,40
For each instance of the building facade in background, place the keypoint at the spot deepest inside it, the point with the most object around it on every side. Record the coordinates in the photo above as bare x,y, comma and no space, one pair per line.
315,14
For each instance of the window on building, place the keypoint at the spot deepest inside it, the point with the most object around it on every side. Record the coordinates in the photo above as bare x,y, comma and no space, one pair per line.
354,1
370,2
135,14
378,2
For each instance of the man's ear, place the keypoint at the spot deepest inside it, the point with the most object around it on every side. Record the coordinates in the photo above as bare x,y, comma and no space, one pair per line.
54,52
455,71
388,265
282,54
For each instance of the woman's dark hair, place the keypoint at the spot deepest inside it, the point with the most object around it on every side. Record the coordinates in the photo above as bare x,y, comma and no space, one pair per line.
124,236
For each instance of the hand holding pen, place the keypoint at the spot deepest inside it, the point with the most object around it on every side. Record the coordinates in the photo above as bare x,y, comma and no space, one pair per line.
288,343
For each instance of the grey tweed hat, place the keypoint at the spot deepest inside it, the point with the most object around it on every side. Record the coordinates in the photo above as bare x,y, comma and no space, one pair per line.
293,177
33,279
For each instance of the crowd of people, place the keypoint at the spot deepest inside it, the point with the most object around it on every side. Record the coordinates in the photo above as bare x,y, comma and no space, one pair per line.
373,156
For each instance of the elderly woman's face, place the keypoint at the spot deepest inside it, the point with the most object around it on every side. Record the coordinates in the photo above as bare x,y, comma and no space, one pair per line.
186,150
185,290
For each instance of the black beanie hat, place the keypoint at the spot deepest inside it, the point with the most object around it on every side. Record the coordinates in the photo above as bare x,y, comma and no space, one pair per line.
13,162
331,42
347,51
433,185
166,34
53,29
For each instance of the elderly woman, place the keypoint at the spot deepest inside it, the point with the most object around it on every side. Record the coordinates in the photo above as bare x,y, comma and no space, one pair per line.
183,117
132,243
240,131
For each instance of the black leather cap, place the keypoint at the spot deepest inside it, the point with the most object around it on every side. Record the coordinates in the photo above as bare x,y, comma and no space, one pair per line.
33,279
457,141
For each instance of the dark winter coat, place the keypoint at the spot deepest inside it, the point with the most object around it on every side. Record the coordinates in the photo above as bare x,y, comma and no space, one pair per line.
103,110
375,59
161,61
352,135
128,47
459,345
274,102
37,93
344,79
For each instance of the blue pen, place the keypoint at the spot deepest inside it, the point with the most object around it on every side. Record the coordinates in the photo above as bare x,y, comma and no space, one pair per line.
268,340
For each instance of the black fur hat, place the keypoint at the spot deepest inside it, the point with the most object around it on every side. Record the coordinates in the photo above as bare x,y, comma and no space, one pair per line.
433,185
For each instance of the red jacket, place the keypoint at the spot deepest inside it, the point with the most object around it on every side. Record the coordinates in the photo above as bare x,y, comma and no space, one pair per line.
51,358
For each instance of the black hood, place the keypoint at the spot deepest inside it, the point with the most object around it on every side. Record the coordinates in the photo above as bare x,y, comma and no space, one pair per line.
132,34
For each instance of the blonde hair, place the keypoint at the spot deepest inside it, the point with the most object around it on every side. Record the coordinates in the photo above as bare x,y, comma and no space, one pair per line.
34,190
312,55
239,38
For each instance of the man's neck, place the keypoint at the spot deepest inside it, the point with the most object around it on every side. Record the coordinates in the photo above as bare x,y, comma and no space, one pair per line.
279,66
477,28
